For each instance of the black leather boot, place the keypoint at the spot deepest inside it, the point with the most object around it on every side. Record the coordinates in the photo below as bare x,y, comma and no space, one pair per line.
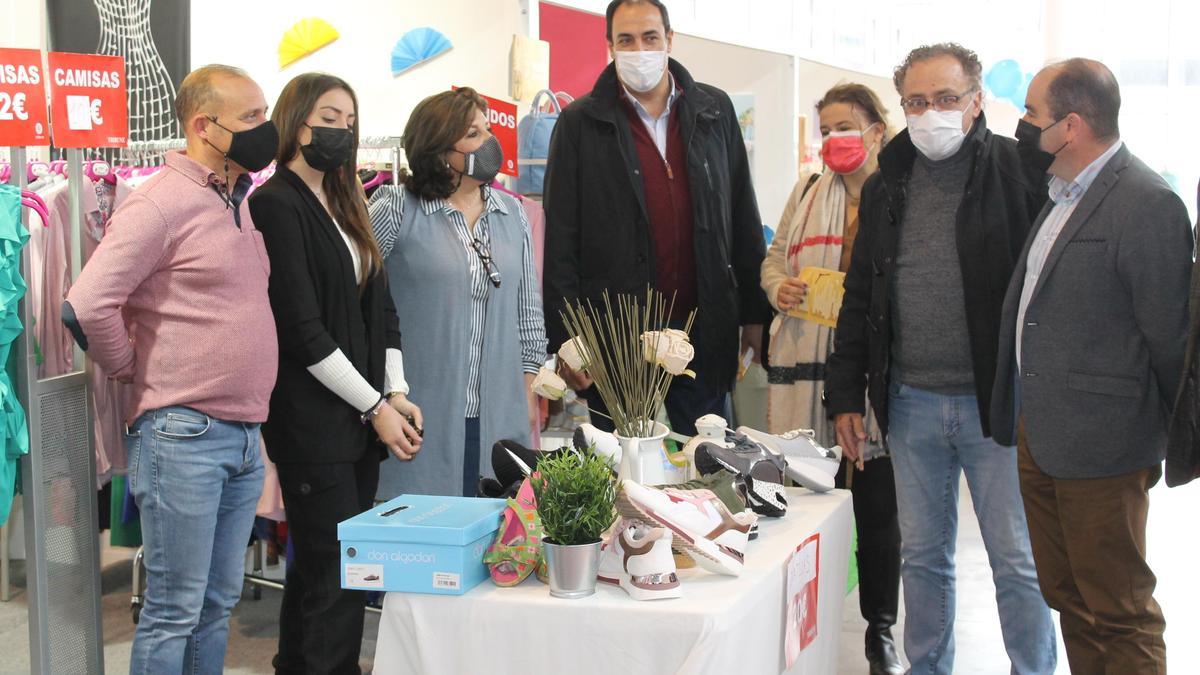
878,598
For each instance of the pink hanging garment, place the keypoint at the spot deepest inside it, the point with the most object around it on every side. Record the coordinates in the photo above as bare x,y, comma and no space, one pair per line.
537,228
270,502
537,231
107,396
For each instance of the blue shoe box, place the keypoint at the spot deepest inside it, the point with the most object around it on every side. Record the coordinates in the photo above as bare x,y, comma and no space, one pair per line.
419,544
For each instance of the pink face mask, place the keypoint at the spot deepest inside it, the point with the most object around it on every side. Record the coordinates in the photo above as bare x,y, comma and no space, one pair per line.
844,151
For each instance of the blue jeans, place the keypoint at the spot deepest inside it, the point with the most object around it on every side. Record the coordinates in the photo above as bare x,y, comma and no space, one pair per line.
933,439
196,480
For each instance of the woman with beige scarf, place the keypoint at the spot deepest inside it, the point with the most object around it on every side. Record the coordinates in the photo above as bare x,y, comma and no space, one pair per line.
817,230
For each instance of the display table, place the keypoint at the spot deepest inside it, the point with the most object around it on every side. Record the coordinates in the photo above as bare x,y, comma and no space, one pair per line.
724,625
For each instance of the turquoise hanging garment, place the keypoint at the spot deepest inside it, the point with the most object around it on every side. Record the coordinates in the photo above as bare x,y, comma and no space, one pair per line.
122,532
14,432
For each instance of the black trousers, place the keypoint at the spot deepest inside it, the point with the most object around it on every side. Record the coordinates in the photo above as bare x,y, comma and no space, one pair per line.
873,491
320,624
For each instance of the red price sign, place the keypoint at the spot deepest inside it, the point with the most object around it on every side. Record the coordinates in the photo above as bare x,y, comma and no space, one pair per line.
22,98
88,103
502,115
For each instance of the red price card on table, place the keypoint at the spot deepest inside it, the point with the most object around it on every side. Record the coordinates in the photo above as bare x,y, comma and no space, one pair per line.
801,589
88,104
22,98
502,115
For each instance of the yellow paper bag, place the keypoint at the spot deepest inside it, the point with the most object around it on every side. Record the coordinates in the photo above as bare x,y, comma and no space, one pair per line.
823,301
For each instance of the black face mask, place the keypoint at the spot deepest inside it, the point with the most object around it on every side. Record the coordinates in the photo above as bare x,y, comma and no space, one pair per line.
484,163
253,149
329,148
1029,146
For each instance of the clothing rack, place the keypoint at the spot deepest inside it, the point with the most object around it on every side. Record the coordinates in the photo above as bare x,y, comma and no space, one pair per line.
58,479
393,143
139,153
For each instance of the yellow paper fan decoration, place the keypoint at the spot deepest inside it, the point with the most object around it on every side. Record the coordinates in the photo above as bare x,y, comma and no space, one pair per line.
303,38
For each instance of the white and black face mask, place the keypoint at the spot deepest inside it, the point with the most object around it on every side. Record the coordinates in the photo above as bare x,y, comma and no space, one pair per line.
484,162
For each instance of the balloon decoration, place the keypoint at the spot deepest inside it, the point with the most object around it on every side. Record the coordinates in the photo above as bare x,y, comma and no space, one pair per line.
1006,81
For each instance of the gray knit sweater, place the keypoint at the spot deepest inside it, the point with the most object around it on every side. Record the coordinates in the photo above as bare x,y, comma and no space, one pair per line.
930,345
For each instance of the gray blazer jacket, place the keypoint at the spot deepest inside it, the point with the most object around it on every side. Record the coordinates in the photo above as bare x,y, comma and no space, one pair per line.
1183,444
1104,332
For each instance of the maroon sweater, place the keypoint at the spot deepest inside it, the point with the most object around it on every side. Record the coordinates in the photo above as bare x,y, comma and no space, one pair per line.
669,206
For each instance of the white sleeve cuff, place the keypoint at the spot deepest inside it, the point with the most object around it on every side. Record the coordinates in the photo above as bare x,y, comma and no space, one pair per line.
339,376
394,375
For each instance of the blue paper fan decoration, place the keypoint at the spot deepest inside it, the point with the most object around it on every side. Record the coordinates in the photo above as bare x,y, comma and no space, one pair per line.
417,46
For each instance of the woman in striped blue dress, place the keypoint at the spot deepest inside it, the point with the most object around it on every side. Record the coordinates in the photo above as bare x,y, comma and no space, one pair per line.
461,271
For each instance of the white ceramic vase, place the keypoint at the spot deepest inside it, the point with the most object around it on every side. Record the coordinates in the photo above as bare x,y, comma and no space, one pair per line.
643,458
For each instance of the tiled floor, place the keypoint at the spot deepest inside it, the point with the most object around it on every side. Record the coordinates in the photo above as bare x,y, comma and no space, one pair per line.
1174,552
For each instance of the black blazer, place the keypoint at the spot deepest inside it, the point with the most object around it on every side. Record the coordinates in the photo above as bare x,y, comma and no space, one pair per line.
317,310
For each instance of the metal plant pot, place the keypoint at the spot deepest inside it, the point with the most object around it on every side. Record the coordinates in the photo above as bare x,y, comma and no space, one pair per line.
572,569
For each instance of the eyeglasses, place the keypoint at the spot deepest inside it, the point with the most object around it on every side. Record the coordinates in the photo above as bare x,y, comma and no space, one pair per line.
918,105
485,257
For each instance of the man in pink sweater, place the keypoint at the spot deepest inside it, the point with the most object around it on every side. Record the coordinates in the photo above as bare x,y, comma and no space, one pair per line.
174,301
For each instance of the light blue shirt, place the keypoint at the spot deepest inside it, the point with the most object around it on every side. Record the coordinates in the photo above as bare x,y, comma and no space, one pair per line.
1066,196
656,127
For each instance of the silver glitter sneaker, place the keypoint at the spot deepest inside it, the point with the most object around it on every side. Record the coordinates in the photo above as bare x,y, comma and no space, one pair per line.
759,468
808,463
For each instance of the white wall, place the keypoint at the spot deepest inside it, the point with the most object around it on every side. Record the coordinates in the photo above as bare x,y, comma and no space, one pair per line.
814,79
772,25
23,25
246,33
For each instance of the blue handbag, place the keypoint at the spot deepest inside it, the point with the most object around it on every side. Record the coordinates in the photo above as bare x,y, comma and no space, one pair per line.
533,141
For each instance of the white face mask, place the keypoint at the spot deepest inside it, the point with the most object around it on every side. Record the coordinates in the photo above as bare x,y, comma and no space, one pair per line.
937,133
641,71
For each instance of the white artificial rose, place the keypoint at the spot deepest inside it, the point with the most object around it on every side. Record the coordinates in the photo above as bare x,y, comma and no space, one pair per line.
654,346
549,385
669,349
676,335
679,354
574,354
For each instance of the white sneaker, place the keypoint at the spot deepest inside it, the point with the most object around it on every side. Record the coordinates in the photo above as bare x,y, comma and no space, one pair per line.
702,525
808,463
637,557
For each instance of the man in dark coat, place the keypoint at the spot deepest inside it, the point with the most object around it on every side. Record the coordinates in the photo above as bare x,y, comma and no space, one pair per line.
648,184
940,228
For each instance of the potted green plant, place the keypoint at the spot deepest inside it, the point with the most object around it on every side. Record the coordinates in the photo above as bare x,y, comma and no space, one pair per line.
575,500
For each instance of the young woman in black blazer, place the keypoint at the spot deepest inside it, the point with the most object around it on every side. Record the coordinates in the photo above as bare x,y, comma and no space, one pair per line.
340,401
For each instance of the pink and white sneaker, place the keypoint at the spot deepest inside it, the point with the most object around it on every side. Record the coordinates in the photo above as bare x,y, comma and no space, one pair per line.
702,525
637,557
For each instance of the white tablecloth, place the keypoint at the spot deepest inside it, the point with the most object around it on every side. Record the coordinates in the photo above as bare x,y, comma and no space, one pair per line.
724,625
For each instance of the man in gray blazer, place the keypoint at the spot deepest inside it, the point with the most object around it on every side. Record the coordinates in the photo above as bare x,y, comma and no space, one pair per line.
1091,352
1183,443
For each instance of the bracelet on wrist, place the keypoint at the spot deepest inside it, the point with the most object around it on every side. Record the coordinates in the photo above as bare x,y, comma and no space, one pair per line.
370,414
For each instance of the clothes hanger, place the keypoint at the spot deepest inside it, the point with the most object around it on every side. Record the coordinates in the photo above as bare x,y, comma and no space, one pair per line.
37,169
38,208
